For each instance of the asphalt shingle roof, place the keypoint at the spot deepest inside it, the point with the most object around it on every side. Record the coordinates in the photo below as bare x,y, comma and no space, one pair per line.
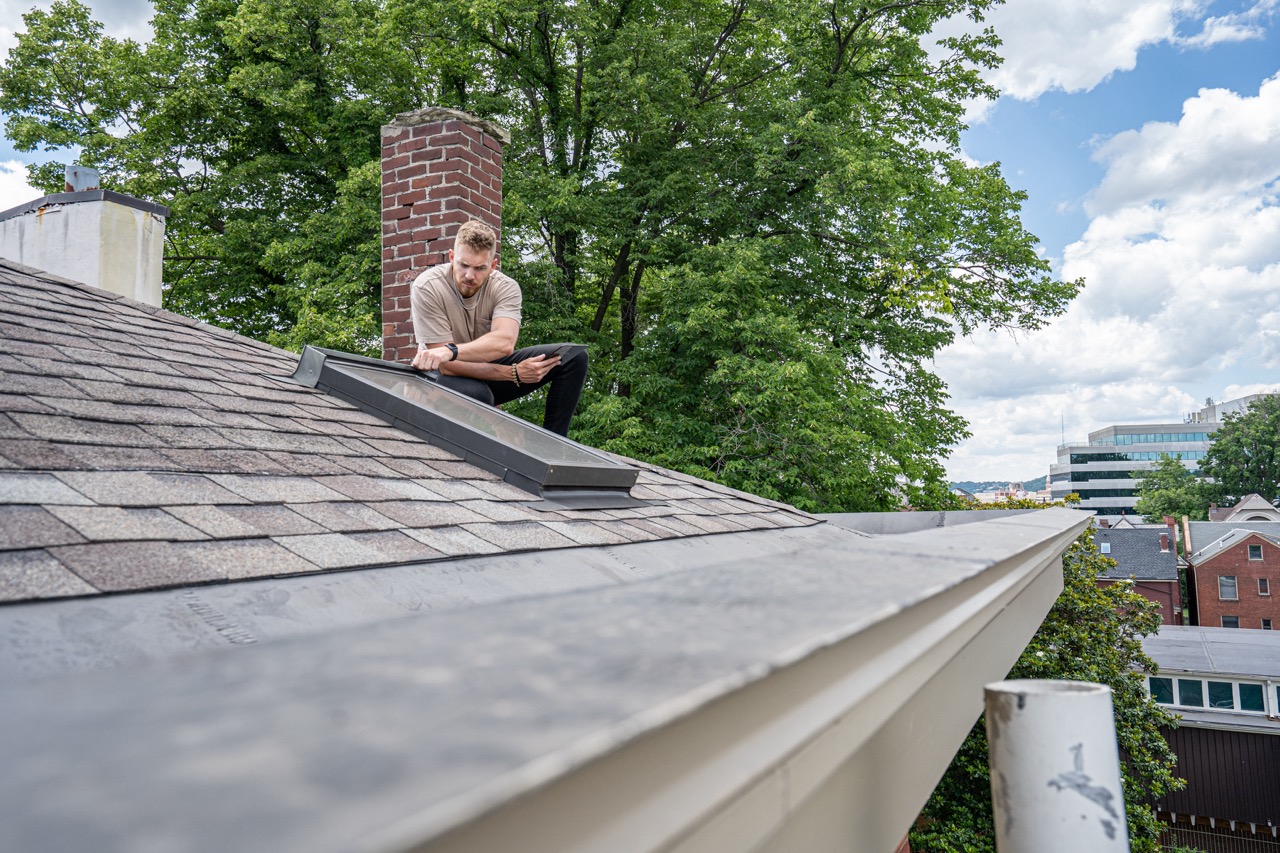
141,449
1137,553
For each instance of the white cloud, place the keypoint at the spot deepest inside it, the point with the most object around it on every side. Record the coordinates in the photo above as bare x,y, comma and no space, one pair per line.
14,189
1182,263
1247,25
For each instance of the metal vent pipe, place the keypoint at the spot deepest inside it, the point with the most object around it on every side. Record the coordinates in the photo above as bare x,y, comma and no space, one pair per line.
1055,768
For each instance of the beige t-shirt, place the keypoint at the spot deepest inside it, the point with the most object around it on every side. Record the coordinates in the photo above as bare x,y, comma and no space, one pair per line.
441,315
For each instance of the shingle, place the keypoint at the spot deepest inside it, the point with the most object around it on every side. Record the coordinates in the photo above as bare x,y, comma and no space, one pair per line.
495,511
409,448
709,523
21,403
462,471
272,520
523,536
292,442
364,465
68,369
500,490
226,461
658,531
231,403
682,528
41,386
332,550
307,464
125,413
455,490
39,455
9,429
345,517
453,541
118,566
79,431
379,489
274,489
92,458
28,488
214,521
25,526
187,438
246,558
635,533
426,514
396,547
139,488
36,574
119,392
416,468
586,532
114,524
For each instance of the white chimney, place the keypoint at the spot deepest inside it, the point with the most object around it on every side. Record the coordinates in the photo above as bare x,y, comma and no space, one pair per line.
94,236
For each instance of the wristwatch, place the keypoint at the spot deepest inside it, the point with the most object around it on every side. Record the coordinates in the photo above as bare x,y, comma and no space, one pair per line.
453,348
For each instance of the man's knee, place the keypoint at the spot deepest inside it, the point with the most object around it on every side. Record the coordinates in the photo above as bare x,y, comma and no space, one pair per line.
473,388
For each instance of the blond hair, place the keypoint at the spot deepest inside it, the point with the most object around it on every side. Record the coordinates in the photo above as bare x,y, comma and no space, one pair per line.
477,236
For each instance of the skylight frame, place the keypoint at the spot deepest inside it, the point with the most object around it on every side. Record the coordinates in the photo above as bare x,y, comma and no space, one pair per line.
338,373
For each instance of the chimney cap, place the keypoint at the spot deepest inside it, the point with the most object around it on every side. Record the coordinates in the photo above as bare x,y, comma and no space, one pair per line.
82,179
427,114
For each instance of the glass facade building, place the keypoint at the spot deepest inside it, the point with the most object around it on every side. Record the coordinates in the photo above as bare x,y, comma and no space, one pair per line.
1107,469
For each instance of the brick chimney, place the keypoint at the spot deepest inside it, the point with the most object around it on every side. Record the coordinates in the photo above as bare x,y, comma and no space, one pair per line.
1164,543
440,167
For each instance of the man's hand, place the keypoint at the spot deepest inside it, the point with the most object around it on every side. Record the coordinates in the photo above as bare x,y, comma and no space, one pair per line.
430,358
531,370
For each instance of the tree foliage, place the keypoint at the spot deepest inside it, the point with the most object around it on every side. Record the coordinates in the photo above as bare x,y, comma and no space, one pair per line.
1170,489
1245,455
755,213
1091,634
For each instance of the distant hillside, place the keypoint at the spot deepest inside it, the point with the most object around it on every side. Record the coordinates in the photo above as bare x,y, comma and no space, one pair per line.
975,486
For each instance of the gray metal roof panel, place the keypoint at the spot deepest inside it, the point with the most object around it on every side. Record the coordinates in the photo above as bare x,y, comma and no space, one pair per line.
1215,651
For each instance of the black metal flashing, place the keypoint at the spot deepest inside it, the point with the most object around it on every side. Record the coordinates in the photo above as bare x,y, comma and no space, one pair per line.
524,455
79,197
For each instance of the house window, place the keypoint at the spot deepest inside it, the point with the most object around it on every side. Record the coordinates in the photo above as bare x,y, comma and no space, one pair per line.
1104,547
1227,588
1266,624
1264,586
1191,692
1221,695
1162,690
1251,698
1230,621
1255,552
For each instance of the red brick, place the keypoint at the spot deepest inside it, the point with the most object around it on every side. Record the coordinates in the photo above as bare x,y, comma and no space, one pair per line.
470,132
430,129
467,155
396,265
492,143
395,213
413,143
1250,607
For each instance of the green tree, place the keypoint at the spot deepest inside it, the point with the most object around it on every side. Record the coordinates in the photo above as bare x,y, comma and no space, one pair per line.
1245,455
756,213
1169,489
1091,634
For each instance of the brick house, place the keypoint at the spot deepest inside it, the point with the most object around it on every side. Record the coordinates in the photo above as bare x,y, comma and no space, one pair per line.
1148,557
1231,581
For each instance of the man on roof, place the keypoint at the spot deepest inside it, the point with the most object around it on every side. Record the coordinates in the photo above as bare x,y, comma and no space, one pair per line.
466,319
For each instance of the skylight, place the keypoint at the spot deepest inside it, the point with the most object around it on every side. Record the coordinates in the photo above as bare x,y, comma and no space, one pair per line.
524,455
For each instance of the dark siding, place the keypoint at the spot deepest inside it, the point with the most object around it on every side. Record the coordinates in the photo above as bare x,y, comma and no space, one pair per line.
1230,775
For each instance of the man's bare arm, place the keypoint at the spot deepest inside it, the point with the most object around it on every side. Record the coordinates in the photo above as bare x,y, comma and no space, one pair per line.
499,342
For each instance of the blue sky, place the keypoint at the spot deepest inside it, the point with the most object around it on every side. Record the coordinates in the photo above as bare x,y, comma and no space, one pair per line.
1147,136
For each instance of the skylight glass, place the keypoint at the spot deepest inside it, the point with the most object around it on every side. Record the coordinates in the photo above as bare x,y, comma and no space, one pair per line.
525,455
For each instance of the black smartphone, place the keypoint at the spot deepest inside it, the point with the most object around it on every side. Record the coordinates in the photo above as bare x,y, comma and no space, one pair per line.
565,349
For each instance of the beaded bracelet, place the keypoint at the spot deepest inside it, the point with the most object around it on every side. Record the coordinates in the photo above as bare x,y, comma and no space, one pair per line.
515,374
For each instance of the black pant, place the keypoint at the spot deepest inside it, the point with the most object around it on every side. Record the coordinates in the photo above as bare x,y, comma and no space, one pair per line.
566,381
